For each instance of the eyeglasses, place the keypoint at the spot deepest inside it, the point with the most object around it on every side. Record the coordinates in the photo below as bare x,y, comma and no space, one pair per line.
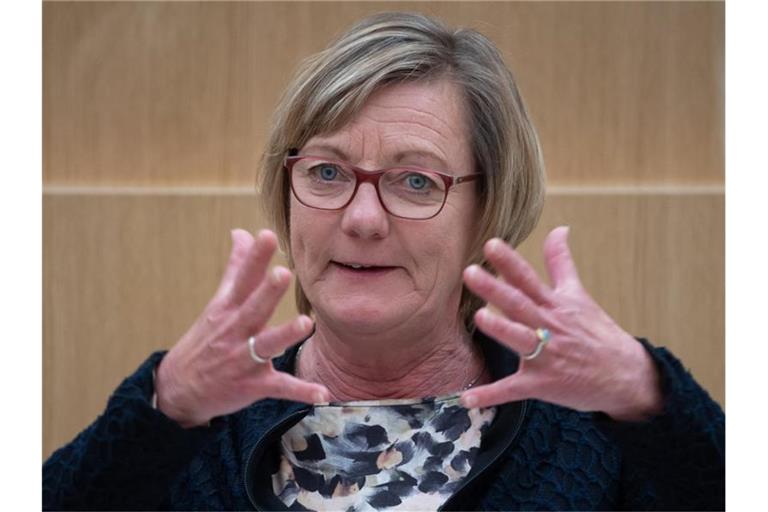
406,192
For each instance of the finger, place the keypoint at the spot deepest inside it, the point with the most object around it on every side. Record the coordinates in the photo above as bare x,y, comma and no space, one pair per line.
520,338
511,301
288,387
251,272
516,270
273,341
256,311
520,386
241,245
557,256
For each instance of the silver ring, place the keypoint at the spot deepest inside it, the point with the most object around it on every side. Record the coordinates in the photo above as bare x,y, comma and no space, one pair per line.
254,355
544,336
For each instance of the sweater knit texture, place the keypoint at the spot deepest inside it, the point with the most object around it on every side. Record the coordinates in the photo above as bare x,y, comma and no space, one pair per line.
133,457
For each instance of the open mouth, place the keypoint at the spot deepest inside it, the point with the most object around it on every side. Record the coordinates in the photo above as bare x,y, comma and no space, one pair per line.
362,269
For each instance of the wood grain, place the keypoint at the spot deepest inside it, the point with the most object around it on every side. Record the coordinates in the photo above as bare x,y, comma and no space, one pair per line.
146,98
180,93
126,275
656,263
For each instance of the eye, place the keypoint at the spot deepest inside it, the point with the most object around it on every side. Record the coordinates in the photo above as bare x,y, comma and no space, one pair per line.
417,181
412,182
326,171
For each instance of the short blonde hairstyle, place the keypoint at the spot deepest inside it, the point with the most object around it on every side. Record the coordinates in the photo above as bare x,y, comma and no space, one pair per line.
331,87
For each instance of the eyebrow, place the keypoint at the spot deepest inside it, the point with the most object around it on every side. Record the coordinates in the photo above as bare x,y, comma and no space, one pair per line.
399,157
340,154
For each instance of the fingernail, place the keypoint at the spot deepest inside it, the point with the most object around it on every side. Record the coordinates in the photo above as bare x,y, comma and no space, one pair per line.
305,323
481,314
494,245
469,401
320,397
472,270
265,233
233,235
276,275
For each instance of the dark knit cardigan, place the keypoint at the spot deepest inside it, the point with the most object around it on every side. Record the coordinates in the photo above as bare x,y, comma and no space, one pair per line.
535,456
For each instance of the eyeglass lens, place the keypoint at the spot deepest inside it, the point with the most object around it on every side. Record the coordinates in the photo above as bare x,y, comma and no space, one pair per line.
410,193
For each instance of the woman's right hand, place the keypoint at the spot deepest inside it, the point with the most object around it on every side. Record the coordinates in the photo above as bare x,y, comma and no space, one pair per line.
210,372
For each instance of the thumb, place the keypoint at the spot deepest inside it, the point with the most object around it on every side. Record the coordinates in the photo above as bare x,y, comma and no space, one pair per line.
242,241
559,261
519,386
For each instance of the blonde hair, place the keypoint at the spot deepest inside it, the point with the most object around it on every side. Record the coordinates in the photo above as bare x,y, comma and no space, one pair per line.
331,87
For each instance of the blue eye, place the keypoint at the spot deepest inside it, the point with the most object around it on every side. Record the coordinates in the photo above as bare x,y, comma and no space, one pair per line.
327,172
417,181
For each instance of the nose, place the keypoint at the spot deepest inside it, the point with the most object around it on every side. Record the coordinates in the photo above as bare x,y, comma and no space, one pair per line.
365,217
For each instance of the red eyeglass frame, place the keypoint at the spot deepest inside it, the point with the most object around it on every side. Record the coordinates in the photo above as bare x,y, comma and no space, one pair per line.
373,177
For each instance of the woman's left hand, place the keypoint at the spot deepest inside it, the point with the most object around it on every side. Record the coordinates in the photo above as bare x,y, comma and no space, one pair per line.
589,363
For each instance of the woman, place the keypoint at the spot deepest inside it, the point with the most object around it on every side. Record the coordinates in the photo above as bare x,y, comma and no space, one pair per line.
402,167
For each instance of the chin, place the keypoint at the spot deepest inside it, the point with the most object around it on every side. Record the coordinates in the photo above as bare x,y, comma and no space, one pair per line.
371,314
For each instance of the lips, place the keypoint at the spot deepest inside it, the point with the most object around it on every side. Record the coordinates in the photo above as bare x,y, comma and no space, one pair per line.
362,267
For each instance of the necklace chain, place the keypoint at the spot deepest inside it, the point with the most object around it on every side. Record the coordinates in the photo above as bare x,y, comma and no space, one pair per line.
471,383
474,381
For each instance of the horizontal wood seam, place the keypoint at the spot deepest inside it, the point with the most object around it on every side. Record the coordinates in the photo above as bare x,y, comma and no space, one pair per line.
570,190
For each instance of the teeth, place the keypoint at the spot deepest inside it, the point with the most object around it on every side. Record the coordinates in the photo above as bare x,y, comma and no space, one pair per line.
357,266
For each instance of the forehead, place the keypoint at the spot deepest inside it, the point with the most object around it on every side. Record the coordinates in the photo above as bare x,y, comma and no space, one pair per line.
417,122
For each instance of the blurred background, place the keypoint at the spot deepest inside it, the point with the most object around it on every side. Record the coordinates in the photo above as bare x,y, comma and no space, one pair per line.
155,115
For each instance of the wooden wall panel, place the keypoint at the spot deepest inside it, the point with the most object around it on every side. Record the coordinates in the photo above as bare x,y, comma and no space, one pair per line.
180,93
125,275
656,263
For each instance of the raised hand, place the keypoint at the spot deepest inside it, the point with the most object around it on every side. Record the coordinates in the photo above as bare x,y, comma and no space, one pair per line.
210,371
589,362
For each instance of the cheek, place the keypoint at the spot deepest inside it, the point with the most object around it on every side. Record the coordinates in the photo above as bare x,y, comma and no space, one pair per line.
311,233
457,230
299,227
438,255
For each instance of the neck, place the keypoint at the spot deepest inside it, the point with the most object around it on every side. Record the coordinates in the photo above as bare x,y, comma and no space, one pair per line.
433,362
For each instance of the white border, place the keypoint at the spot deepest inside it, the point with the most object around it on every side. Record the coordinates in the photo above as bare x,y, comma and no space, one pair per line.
21,333
746,252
